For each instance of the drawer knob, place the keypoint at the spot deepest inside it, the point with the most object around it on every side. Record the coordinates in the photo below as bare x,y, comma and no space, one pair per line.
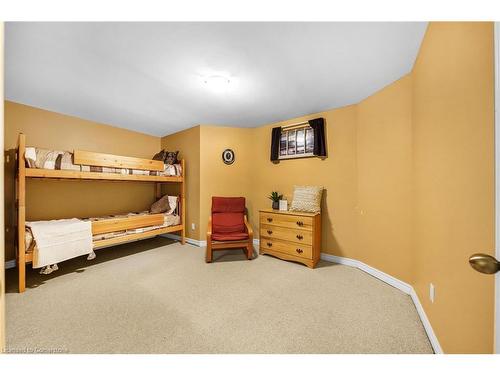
269,231
269,244
299,251
300,223
299,237
270,219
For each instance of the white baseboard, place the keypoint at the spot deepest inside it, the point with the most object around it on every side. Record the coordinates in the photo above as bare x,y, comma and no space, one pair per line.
194,242
396,283
191,241
392,281
427,324
10,264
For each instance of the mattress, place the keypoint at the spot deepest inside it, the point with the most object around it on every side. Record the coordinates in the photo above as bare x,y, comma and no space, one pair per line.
170,219
63,160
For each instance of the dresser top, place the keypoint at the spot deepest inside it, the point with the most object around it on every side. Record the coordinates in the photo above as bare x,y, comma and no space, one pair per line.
295,213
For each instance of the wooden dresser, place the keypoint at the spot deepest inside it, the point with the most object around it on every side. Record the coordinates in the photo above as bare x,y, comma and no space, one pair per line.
291,235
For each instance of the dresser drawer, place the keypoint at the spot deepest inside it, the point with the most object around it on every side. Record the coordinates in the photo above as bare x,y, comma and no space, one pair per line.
298,250
286,220
288,234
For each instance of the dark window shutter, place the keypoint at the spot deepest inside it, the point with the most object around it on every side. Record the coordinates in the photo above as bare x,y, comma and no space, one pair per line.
318,126
275,144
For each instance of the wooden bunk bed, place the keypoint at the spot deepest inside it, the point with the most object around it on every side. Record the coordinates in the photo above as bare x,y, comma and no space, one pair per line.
103,225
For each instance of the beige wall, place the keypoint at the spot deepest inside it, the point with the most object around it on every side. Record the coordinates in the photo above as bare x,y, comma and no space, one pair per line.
336,173
384,171
453,143
56,199
367,207
207,175
254,176
382,124
187,142
219,179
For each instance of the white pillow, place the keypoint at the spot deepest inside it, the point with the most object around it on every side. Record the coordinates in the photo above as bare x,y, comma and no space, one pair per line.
172,202
306,198
30,156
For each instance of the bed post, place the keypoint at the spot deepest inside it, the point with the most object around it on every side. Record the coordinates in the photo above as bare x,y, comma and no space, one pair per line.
157,191
21,213
183,202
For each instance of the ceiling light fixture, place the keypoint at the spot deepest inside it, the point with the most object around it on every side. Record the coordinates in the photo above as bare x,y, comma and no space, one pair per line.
217,83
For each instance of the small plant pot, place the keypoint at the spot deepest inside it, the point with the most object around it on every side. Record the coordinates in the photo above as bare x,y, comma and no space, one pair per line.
276,205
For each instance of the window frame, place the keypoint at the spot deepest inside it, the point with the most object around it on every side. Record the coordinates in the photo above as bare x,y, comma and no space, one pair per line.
306,127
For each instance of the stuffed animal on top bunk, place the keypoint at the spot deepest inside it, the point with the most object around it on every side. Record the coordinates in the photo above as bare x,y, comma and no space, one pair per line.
171,161
171,157
168,157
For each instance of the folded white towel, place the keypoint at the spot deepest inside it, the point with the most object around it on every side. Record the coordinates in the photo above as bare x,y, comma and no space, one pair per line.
58,240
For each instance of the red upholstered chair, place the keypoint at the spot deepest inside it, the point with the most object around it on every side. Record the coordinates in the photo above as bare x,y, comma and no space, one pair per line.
228,227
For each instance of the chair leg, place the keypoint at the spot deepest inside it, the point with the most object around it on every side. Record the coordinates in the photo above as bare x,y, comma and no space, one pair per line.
208,255
249,251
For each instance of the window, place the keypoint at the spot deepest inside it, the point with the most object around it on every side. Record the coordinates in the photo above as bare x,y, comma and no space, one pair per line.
296,142
304,139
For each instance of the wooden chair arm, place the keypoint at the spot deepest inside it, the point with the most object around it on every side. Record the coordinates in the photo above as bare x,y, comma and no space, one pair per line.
209,227
249,228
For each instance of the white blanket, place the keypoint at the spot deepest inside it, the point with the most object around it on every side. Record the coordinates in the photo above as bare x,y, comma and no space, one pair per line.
58,240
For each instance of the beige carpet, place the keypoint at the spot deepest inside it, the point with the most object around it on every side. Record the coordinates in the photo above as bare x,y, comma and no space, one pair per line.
156,296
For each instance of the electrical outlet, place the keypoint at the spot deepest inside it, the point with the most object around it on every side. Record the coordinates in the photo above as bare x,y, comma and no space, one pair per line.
193,226
432,292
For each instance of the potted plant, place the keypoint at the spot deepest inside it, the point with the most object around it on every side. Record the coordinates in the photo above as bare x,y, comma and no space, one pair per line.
275,197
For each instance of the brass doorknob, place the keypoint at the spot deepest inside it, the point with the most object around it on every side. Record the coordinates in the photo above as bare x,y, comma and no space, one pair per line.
484,263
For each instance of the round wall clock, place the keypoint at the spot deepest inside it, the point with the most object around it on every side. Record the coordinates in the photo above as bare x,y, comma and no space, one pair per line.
228,156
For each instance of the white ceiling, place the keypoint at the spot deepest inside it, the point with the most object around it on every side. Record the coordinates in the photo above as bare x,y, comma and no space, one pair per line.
149,76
